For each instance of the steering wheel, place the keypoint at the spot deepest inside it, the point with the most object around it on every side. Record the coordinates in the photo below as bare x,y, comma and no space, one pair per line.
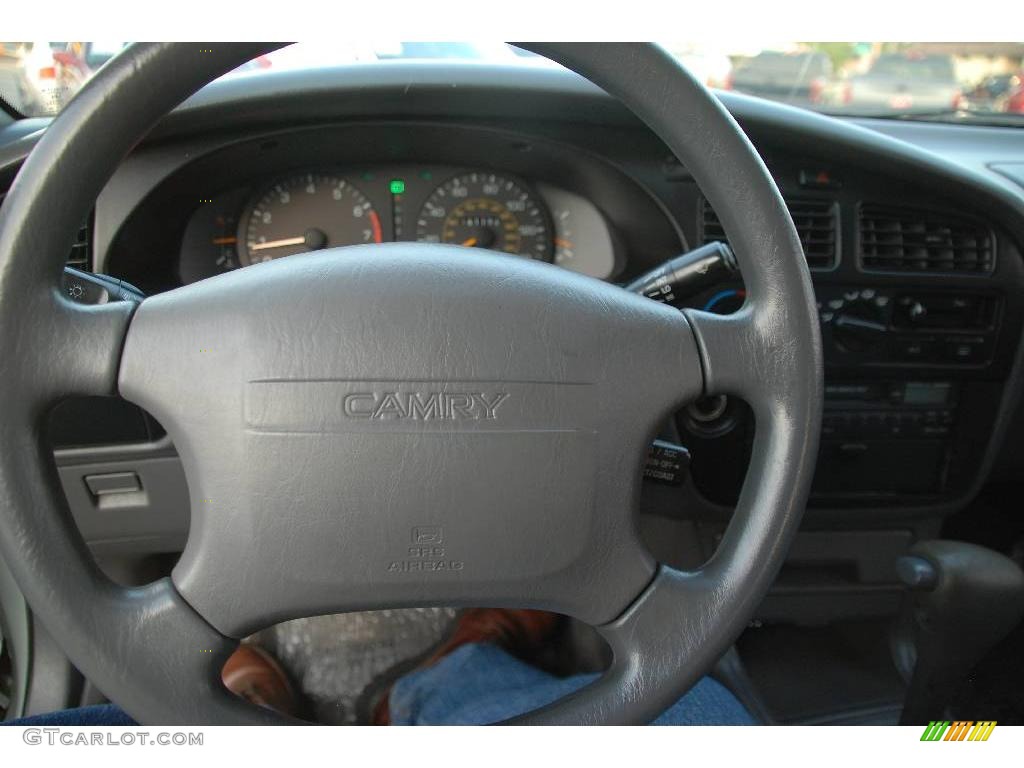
403,424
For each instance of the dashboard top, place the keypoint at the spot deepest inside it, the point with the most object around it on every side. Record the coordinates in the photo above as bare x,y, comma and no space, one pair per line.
502,91
472,90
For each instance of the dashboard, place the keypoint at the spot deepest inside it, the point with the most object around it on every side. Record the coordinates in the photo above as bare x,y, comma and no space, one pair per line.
219,205
915,256
325,207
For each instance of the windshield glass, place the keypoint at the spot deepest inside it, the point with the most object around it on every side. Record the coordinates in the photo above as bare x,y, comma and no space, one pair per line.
936,81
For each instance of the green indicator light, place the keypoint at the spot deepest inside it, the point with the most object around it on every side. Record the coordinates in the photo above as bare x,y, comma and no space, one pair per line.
426,175
367,176
397,186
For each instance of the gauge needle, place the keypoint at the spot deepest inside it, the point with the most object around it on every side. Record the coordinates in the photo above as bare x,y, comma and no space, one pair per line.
470,242
278,243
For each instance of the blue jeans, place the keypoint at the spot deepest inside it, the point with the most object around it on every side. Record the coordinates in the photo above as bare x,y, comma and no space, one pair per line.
477,684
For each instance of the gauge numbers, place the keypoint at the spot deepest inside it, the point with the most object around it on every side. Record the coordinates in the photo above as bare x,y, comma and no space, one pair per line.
485,210
306,212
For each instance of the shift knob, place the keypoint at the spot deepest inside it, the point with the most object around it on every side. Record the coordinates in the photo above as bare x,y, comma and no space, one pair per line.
963,600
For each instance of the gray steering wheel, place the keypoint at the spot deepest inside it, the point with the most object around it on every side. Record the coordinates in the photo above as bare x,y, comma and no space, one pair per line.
402,424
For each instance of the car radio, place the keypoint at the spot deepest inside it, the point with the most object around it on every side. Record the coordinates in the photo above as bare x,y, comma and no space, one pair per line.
910,409
871,428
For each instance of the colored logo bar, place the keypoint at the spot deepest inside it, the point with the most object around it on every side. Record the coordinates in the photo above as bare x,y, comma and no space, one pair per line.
958,730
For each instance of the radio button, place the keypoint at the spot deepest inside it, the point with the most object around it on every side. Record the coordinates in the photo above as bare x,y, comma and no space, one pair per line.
968,349
914,349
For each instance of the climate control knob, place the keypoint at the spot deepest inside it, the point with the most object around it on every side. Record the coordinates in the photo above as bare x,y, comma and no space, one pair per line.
859,320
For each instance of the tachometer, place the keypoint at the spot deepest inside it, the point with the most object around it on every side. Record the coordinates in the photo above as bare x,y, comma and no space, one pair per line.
484,210
306,212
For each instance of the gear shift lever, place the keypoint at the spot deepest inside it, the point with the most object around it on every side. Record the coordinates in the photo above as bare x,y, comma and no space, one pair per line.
964,599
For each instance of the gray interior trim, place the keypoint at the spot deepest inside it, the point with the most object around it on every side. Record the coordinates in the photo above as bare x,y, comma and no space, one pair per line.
15,629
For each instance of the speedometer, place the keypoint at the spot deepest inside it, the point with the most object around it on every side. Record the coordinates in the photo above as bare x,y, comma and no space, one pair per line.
306,212
484,210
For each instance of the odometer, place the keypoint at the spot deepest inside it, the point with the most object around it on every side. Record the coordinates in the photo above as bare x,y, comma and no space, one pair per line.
306,212
484,210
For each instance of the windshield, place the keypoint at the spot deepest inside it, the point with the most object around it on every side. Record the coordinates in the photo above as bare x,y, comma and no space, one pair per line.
936,81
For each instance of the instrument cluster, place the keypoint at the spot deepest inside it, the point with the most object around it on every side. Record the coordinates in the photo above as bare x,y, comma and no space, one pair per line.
313,209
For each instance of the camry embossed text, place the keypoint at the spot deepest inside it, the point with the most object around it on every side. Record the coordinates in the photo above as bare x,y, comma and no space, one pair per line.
424,406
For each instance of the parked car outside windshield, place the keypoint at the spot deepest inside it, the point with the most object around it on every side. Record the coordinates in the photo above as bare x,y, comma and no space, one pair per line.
958,82
798,77
907,82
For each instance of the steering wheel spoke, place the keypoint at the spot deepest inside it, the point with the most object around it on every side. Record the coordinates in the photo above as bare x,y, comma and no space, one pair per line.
745,355
673,631
86,346
192,652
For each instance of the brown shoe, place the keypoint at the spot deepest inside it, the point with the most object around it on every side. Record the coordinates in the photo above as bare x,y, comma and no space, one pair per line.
521,632
254,675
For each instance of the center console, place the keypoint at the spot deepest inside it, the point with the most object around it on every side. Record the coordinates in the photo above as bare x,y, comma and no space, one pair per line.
912,383
893,429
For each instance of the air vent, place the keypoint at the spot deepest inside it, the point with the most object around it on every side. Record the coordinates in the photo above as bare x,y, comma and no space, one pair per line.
816,222
80,256
902,240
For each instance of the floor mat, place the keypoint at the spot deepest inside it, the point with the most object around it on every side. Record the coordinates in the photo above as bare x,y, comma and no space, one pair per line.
995,688
332,659
824,674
